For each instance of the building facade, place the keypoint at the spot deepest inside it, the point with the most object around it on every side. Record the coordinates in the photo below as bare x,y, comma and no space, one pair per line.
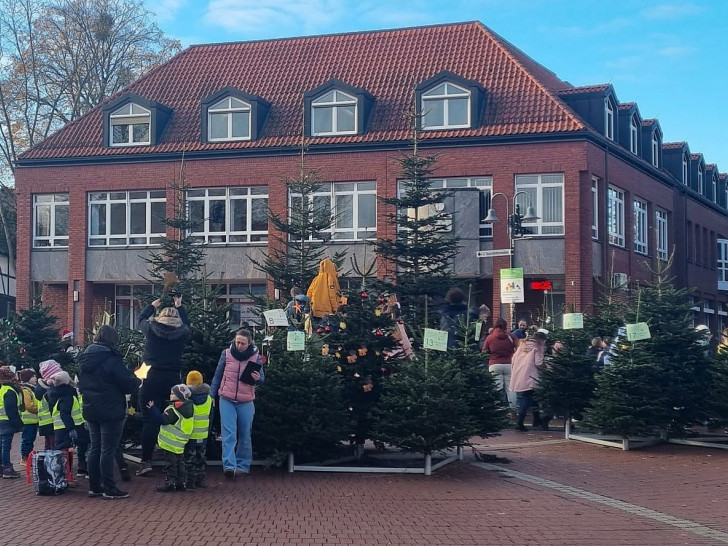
609,194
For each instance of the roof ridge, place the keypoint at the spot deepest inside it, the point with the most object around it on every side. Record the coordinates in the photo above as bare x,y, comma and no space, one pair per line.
551,94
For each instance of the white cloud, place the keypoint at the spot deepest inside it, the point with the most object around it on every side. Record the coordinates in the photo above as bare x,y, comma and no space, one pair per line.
165,10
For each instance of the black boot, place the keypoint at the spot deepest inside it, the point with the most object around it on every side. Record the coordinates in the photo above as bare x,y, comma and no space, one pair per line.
536,418
519,423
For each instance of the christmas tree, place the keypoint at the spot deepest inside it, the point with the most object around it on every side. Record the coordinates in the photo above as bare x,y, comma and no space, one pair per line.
31,337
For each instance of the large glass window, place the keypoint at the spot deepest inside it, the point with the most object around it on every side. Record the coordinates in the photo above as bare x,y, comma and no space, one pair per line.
126,218
722,264
662,240
129,125
334,113
352,204
244,312
640,226
446,106
228,119
545,193
229,215
615,216
50,220
129,303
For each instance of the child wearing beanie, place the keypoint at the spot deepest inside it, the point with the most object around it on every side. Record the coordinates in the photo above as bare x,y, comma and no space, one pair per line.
68,422
29,415
43,393
196,448
177,423
11,404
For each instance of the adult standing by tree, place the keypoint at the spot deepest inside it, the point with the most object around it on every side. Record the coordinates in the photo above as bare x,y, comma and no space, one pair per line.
526,367
104,382
500,346
165,338
236,388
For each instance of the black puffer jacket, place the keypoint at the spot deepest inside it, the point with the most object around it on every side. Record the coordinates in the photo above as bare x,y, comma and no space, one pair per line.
104,380
164,344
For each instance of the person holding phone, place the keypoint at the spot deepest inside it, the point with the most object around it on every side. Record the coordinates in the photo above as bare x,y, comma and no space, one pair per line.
238,371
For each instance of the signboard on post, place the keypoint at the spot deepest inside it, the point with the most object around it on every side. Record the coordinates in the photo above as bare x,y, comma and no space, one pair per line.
493,253
511,281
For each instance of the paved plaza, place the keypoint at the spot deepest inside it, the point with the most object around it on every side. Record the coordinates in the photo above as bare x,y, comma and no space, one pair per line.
533,488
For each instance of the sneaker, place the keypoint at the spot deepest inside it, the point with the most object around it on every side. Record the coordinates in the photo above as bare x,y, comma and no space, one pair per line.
125,474
93,494
82,473
240,473
9,473
145,467
229,473
167,487
115,494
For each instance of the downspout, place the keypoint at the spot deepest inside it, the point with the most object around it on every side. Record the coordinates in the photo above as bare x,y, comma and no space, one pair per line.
605,224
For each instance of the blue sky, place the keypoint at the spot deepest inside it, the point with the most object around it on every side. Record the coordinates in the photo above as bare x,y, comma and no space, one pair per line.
668,56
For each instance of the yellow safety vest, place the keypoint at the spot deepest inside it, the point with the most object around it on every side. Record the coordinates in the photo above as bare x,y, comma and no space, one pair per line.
76,415
174,437
3,390
28,417
201,420
45,417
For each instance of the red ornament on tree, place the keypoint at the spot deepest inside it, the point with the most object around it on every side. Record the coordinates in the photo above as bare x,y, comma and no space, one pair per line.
364,295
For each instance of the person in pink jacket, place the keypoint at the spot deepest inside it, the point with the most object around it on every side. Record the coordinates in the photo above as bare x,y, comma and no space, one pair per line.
526,365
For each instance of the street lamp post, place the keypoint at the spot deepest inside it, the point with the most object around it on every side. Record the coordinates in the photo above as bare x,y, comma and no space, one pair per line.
515,229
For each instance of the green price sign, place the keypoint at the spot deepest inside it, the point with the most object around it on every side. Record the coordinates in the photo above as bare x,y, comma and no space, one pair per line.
573,321
638,331
435,339
296,341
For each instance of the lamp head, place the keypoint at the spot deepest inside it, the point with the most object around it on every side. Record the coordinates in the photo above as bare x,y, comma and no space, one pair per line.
530,215
492,217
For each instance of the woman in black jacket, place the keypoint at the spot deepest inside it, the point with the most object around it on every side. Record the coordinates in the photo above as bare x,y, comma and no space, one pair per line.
104,382
165,339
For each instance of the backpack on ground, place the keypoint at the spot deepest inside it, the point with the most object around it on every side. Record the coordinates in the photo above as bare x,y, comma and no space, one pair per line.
49,471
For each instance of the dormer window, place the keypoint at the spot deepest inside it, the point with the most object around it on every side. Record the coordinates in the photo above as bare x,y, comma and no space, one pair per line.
633,134
701,188
685,163
232,115
446,106
714,188
608,119
228,119
334,113
130,125
656,147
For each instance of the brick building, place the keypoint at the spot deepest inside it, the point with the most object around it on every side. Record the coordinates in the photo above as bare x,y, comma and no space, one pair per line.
608,192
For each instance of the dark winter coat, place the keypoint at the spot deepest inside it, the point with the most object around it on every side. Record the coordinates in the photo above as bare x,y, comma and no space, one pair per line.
452,315
501,345
164,344
168,417
63,395
104,382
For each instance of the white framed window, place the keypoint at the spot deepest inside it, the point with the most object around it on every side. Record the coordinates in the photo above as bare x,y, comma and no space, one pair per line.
714,188
128,303
126,218
244,311
634,135
228,119
353,206
446,106
228,215
50,220
722,264
655,149
130,126
595,208
685,173
334,113
615,216
545,193
701,185
661,228
641,229
608,119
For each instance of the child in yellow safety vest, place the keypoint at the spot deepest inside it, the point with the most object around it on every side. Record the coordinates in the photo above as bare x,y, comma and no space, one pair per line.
196,448
68,422
177,423
29,416
11,406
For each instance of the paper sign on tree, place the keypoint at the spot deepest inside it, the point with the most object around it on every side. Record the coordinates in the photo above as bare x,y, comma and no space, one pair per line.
435,339
275,317
573,321
638,331
296,341
478,329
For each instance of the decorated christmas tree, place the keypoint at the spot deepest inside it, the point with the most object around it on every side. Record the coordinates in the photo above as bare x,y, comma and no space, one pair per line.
30,337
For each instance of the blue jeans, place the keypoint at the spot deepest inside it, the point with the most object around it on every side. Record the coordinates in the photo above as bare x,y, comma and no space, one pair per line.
6,440
27,439
236,420
105,437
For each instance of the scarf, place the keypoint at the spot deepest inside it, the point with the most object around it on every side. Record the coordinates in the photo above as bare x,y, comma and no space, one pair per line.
245,355
175,322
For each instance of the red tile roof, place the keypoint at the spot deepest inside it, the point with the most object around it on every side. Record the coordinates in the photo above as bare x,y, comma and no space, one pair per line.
585,89
674,145
521,94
